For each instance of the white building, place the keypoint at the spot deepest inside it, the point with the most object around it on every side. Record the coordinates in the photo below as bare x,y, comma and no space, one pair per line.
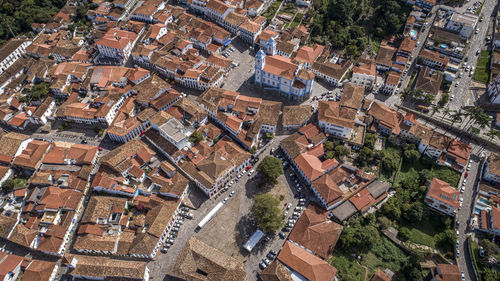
494,90
492,168
280,73
464,24
217,11
117,44
364,75
11,51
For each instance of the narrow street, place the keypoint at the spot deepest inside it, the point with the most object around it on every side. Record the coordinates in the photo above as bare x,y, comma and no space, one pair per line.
462,219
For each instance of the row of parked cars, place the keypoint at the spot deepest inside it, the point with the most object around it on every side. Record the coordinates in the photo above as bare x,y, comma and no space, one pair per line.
184,213
228,52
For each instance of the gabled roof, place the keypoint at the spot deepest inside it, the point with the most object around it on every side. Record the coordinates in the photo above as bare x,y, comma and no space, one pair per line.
199,261
276,271
38,270
316,232
306,264
442,191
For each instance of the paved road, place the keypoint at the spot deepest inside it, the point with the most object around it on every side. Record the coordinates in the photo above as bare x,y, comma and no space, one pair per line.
476,42
464,260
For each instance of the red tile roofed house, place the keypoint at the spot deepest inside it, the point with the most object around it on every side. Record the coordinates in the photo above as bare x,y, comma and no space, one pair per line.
62,153
365,74
362,200
446,272
333,120
308,55
435,145
108,184
385,57
312,165
456,155
39,270
264,37
331,72
406,47
31,157
305,264
166,181
386,119
392,82
494,220
316,232
217,11
249,31
10,266
434,59
116,44
442,197
381,276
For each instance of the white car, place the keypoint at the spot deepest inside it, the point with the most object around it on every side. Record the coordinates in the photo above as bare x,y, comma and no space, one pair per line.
452,97
462,190
456,84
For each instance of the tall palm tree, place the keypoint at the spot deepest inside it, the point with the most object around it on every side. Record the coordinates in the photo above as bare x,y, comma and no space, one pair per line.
446,112
435,109
457,116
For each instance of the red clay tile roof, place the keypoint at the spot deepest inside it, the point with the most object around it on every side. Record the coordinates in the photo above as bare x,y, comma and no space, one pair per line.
316,232
306,264
381,276
362,200
442,191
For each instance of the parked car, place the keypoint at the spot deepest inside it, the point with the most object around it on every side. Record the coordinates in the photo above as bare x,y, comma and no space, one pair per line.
232,193
288,206
262,265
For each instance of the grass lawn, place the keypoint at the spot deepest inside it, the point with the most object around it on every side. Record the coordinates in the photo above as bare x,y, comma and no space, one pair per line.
443,173
269,14
347,268
296,20
482,73
390,149
384,254
375,42
425,232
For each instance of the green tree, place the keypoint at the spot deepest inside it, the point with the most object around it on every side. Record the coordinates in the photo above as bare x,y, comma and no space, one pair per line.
270,168
253,149
445,98
390,160
446,239
391,209
365,154
384,222
196,137
267,213
358,238
13,183
370,140
330,155
341,151
410,153
404,233
39,91
329,145
490,247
